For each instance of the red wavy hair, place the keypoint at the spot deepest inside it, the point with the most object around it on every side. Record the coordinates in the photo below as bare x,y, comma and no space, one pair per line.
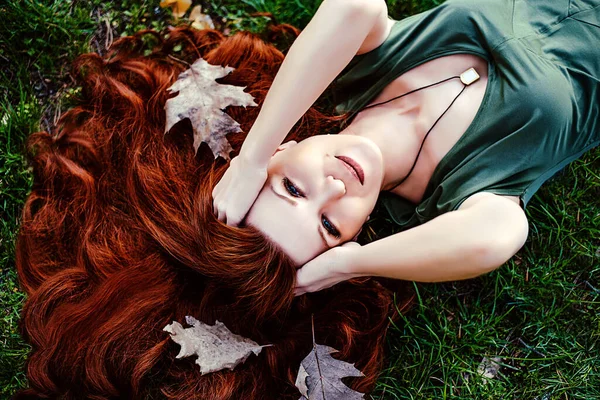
118,239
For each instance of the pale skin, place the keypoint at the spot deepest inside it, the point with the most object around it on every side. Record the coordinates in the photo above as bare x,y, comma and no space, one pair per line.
308,201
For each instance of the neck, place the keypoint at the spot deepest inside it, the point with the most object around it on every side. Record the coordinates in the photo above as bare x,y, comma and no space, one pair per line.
398,147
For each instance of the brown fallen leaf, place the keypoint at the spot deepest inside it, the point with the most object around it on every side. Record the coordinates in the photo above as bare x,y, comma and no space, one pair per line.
216,347
178,7
320,376
202,99
488,368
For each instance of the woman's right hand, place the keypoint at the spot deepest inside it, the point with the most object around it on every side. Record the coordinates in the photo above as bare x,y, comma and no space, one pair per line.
237,190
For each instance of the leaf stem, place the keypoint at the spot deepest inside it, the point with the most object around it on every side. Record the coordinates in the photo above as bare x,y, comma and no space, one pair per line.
312,322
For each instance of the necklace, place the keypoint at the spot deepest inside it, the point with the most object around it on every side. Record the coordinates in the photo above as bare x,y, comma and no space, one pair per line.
467,78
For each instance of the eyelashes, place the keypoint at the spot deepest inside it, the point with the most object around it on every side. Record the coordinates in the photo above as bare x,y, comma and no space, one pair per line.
329,227
294,191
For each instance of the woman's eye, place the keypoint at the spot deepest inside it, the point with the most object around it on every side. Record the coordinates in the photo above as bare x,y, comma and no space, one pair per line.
330,227
291,188
294,191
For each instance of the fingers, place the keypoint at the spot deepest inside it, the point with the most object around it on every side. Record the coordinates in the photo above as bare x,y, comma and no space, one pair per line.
218,208
236,191
218,191
221,215
227,219
299,290
232,220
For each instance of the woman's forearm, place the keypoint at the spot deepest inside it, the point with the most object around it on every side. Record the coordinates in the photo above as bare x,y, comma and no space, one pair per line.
317,56
457,245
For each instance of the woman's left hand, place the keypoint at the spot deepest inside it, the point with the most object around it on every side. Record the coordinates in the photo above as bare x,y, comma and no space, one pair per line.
326,270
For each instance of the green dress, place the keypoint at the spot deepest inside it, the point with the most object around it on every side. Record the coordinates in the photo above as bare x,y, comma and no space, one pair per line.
541,108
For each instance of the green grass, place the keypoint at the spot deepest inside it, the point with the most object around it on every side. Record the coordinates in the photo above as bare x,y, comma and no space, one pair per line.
539,313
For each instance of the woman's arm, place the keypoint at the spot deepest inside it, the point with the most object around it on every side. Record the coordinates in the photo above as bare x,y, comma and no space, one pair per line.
327,44
317,56
480,236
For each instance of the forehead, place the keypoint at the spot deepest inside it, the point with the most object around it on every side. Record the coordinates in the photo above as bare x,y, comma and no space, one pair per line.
293,228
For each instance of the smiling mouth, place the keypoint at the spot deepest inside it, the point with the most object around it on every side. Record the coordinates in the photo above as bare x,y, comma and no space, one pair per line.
355,167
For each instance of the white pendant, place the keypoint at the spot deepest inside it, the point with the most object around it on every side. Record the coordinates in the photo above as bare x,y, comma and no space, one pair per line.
469,76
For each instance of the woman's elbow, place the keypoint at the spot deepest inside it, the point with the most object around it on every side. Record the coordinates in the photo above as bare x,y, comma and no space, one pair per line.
494,251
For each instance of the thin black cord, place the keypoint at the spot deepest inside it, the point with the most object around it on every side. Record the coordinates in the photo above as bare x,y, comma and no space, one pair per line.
427,134
411,92
432,126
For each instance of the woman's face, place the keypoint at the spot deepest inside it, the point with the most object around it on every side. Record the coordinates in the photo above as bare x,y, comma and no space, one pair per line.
312,200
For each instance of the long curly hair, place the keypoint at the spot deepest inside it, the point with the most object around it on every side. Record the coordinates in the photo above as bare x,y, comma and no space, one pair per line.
118,239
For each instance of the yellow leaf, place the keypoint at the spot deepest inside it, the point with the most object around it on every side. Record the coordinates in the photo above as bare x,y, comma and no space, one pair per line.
166,3
178,7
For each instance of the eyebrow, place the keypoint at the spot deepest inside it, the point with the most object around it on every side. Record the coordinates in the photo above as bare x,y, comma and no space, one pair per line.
295,204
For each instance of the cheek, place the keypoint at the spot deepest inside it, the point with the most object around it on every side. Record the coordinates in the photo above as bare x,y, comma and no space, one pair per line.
305,161
355,213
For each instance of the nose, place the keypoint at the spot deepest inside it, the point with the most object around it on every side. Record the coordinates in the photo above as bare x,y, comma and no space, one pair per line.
334,188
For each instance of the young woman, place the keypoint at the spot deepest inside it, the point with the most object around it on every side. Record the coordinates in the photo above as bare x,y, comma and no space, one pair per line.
458,115
118,240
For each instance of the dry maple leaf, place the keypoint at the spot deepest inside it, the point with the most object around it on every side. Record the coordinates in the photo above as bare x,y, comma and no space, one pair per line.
202,99
216,347
178,7
320,376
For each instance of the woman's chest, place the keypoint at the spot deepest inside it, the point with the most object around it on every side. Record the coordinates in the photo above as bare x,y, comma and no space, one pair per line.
443,113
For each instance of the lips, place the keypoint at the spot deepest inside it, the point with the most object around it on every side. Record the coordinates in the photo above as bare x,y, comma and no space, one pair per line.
355,167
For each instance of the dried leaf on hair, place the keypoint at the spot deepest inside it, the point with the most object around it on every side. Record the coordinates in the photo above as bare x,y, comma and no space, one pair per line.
202,99
320,376
216,346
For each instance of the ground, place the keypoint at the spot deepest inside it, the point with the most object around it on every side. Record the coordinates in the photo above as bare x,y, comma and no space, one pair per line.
539,314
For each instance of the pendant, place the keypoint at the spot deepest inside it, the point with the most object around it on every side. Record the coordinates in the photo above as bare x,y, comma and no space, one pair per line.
469,76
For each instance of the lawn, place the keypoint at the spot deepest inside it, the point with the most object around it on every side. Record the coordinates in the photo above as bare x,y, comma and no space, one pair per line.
538,316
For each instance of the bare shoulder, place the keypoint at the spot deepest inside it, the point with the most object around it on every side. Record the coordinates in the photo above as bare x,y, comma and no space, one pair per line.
503,212
379,32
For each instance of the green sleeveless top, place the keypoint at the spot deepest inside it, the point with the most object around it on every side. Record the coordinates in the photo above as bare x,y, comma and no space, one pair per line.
541,106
